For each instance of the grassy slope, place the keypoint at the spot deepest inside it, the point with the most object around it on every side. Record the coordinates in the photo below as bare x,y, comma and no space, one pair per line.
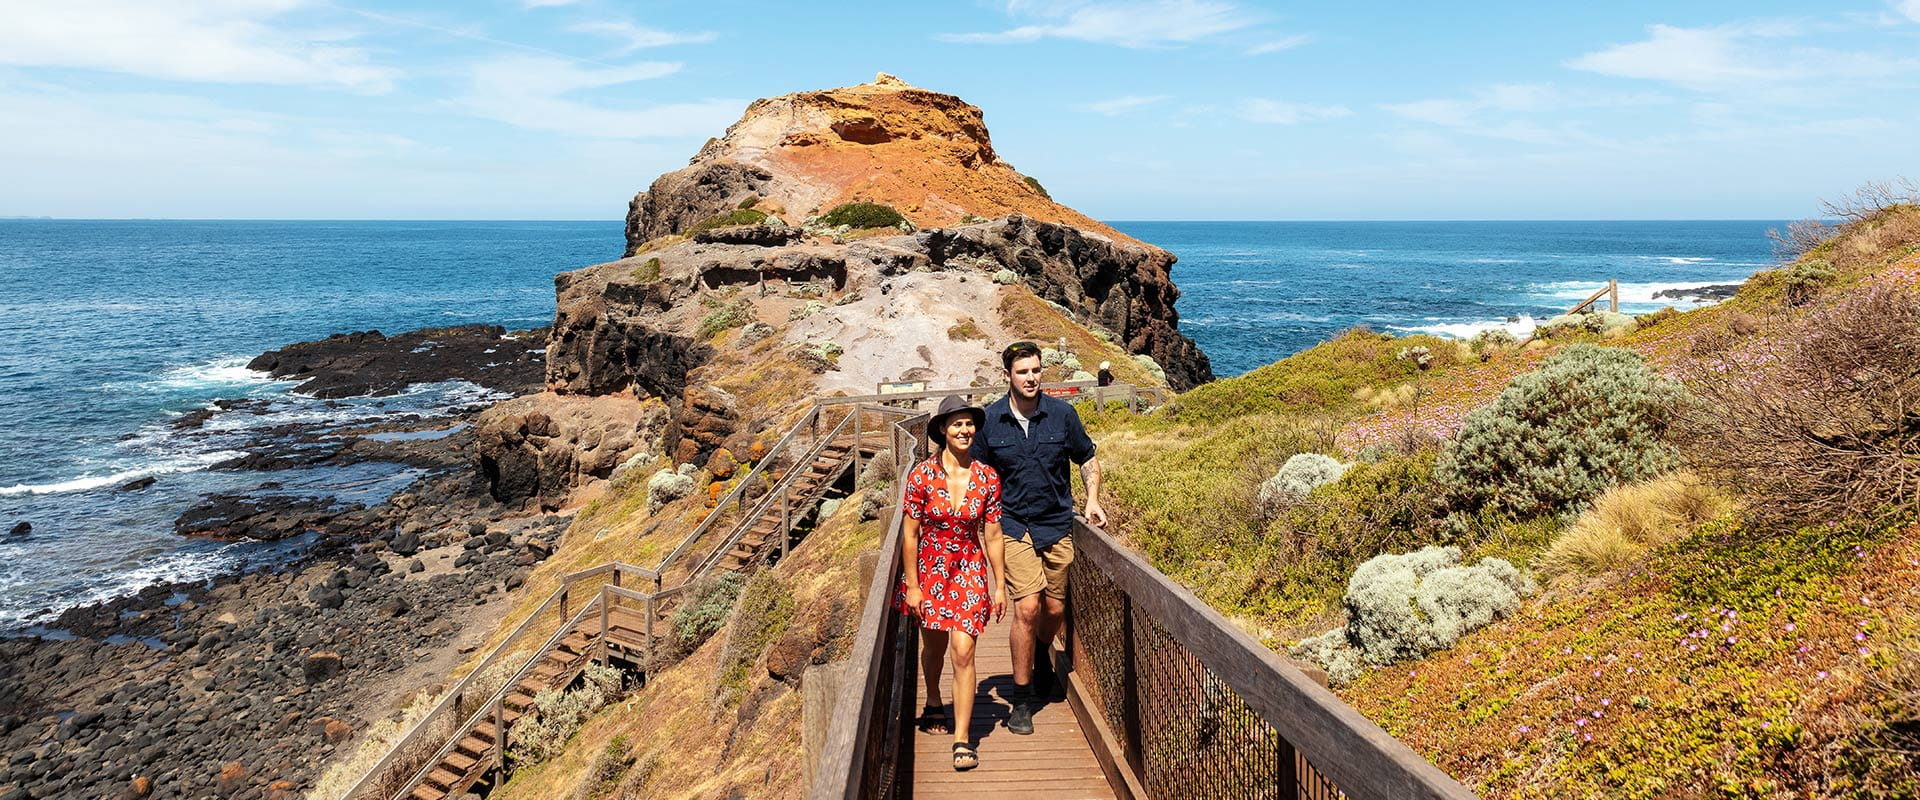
1824,623
690,734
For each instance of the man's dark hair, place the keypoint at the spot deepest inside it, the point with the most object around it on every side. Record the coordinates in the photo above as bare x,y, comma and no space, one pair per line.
1017,351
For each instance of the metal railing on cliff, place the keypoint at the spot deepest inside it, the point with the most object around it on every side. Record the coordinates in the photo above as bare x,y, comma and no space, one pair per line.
1176,701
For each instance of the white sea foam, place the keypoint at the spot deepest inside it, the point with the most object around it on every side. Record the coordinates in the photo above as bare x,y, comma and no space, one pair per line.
1468,330
215,373
169,466
1638,295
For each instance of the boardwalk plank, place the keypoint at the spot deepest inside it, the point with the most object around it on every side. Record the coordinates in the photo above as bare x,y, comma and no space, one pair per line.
1055,762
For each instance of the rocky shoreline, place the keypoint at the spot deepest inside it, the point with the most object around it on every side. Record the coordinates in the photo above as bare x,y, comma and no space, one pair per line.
247,685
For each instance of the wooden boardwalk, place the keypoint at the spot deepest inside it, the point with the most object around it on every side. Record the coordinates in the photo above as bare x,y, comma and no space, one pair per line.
1055,762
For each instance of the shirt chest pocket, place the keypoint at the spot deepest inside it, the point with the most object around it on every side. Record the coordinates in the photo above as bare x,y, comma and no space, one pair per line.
1050,448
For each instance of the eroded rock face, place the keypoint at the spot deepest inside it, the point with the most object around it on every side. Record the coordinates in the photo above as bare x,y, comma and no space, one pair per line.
708,417
1124,287
678,200
536,450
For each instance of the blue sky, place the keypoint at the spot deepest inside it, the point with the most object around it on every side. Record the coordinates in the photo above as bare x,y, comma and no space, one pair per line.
1143,109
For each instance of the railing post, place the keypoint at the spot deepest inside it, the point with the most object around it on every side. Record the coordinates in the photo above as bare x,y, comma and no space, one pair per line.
563,602
647,626
499,742
616,576
606,602
857,434
1613,295
786,532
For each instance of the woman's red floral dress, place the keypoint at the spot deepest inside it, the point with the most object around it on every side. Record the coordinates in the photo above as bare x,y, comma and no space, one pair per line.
952,567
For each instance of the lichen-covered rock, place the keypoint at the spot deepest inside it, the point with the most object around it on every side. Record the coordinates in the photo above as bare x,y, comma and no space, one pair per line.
708,416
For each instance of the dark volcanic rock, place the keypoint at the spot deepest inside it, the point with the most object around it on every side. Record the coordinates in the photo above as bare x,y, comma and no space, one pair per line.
756,235
138,483
371,363
1718,291
228,516
679,200
1124,287
20,529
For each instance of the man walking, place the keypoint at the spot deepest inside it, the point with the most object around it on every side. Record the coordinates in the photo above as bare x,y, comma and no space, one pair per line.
1029,438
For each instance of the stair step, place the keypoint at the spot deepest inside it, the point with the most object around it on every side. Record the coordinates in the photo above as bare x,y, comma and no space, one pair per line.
484,732
460,761
443,778
473,748
425,792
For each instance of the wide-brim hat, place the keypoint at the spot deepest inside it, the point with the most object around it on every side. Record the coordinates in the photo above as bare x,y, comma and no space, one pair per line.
953,404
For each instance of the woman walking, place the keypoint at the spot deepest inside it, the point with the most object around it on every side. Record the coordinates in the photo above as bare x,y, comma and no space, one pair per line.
950,537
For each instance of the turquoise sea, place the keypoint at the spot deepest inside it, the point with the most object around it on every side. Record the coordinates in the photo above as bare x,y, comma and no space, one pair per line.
112,328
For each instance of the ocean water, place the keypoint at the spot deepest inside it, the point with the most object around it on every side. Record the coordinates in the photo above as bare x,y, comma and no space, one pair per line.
113,328
1254,292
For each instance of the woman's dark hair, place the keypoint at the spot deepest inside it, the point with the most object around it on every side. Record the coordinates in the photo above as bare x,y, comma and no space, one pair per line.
1017,351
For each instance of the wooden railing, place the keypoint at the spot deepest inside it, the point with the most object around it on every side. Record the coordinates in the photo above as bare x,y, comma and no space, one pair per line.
454,710
1180,702
1176,700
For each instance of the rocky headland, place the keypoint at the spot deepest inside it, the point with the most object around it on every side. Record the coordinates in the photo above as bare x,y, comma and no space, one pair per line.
829,241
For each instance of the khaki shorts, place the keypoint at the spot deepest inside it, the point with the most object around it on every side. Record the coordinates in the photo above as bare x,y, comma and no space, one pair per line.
1030,571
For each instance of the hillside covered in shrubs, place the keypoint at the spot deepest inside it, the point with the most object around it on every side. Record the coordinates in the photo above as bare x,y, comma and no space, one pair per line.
1666,556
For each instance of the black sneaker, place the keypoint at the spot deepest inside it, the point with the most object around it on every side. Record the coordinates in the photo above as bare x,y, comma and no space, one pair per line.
1020,720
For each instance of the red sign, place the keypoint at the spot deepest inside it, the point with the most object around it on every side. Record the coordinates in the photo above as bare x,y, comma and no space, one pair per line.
1062,391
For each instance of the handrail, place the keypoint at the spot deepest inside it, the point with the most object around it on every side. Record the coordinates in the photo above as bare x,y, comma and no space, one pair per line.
720,507
927,394
493,704
719,549
1363,760
843,756
454,695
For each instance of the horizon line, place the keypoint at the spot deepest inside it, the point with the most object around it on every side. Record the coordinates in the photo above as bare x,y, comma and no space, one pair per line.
45,218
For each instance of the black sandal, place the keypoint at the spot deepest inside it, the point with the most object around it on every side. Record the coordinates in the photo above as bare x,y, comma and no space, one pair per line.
965,750
935,719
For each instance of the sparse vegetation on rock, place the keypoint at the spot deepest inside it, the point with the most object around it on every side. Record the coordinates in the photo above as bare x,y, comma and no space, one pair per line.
738,216
556,715
666,486
727,316
862,215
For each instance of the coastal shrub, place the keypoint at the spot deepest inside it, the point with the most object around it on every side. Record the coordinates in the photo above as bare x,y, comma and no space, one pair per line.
1799,238
1006,277
1648,320
965,330
862,215
1325,377
880,470
703,613
1491,341
1405,606
1627,521
1818,422
754,332
1804,280
1302,473
738,216
1082,375
1589,418
557,715
1152,367
764,611
604,773
726,316
750,202
648,271
1374,507
1034,184
666,486
1420,356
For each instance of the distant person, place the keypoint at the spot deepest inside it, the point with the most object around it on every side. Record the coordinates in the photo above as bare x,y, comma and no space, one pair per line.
1106,374
950,536
1028,438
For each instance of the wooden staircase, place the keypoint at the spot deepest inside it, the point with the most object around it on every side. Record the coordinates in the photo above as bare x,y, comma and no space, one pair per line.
829,465
556,669
628,630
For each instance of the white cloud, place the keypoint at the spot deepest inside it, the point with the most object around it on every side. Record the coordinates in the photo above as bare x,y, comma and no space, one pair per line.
1907,8
1736,56
547,3
532,92
1145,23
1275,112
635,37
1290,42
1120,105
220,41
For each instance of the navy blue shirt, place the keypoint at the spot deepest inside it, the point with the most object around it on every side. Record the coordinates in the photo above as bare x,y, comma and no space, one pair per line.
1036,495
